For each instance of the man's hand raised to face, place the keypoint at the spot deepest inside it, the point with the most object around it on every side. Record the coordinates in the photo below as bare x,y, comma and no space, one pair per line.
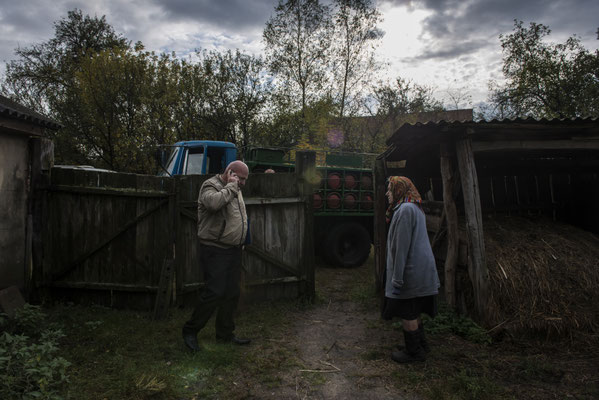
232,177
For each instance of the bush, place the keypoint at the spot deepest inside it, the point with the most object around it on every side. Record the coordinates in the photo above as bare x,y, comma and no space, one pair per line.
447,321
29,366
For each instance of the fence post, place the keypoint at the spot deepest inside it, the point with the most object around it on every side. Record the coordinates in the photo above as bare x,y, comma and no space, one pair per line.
42,160
305,169
380,228
474,225
451,215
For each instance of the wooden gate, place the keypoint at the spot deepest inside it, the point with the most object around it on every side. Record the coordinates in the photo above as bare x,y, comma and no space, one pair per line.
278,263
109,236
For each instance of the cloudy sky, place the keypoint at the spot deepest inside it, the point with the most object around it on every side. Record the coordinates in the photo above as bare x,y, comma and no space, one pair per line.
446,44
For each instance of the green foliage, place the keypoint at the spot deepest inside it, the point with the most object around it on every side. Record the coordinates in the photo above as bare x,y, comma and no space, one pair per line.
353,61
29,365
116,102
546,80
297,39
447,321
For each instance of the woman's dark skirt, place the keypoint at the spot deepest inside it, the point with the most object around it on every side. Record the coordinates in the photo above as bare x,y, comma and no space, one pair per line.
410,309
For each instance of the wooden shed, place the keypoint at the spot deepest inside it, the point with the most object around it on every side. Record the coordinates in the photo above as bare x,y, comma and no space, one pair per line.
24,152
468,169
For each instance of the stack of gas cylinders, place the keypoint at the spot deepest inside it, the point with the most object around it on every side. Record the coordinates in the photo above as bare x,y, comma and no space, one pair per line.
344,191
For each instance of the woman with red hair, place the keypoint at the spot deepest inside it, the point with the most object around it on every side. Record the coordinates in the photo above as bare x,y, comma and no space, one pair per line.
412,282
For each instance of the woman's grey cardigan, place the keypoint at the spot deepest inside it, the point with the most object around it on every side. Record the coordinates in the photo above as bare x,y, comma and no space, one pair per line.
411,269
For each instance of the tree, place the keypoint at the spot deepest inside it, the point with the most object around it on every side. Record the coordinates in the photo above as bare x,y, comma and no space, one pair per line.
356,38
43,72
458,98
546,80
119,107
236,92
390,105
297,40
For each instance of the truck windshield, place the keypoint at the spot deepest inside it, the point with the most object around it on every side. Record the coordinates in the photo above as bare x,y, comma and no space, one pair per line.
171,163
194,161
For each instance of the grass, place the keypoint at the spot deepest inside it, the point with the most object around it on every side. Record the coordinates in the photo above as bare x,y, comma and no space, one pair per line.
139,357
125,355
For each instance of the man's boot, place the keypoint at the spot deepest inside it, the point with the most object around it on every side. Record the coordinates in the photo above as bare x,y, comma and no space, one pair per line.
413,351
191,341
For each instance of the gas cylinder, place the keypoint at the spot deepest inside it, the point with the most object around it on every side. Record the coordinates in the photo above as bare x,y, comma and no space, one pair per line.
334,180
333,200
349,201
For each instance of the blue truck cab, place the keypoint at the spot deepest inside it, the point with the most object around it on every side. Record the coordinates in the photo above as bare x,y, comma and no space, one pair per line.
196,157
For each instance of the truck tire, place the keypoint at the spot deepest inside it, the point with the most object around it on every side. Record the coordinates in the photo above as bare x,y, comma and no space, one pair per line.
347,245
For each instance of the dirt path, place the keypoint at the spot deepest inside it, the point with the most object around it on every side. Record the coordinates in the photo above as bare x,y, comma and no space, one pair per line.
341,346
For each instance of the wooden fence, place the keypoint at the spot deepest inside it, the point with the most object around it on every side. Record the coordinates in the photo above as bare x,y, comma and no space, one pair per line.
122,239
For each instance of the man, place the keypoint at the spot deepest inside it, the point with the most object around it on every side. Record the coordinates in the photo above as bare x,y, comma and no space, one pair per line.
222,230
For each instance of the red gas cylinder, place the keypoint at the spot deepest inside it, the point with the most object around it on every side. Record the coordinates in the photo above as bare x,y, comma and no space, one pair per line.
366,181
350,182
367,201
317,200
349,201
333,200
334,180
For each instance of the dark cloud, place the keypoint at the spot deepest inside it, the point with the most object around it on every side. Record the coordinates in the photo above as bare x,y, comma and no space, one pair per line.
458,27
229,14
451,50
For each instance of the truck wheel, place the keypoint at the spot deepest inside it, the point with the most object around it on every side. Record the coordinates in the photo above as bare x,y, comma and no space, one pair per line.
347,245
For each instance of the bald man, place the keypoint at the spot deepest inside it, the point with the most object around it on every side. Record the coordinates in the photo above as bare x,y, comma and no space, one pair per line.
222,231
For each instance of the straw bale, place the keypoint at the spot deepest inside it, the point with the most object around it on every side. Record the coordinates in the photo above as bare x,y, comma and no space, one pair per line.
544,276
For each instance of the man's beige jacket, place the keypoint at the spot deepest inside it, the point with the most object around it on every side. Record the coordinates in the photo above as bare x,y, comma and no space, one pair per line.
222,218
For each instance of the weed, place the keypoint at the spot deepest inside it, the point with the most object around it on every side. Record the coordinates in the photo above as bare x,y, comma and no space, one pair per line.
447,321
29,365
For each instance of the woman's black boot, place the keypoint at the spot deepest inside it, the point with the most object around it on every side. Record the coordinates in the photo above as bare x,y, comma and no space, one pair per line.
413,351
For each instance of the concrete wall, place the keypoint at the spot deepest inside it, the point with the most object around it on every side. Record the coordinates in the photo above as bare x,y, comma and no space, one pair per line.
14,172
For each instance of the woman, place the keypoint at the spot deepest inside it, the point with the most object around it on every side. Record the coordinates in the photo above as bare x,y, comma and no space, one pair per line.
412,282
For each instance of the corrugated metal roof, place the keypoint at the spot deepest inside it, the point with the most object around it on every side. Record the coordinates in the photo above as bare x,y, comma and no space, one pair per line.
14,110
484,124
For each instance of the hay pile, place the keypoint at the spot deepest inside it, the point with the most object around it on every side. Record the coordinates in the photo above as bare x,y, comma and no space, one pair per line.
544,276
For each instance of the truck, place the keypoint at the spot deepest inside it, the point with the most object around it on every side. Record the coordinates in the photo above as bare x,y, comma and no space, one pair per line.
343,197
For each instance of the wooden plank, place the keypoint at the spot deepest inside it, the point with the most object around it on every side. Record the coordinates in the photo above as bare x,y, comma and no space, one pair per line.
474,225
287,279
274,261
451,215
263,200
163,295
307,176
108,192
503,145
380,228
106,241
104,286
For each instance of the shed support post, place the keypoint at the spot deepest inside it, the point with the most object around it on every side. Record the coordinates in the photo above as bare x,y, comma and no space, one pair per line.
380,229
305,168
474,225
42,160
451,215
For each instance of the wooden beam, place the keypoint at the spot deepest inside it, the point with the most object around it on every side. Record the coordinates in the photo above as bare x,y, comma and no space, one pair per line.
380,226
286,279
263,200
106,191
305,169
474,225
267,257
451,215
104,286
502,145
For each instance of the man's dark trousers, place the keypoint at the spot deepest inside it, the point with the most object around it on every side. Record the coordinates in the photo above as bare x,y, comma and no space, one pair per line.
222,272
